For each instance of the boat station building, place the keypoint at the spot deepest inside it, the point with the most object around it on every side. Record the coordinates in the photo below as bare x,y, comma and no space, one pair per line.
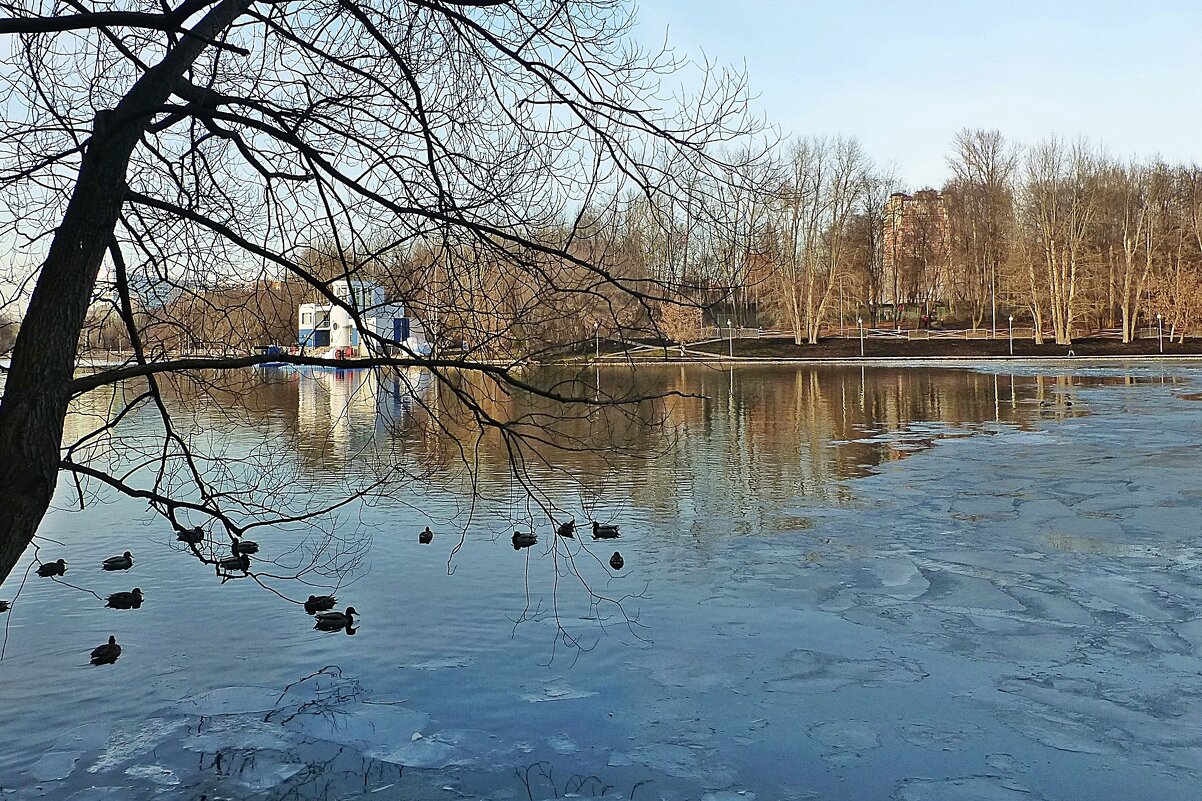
326,325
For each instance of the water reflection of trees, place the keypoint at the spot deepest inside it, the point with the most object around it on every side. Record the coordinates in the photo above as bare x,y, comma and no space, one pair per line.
733,441
713,448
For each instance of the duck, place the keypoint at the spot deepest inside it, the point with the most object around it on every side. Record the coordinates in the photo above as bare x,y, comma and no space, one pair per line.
5,606
604,531
106,654
524,539
52,568
236,562
192,536
320,603
125,600
244,547
616,561
567,529
426,537
123,562
333,621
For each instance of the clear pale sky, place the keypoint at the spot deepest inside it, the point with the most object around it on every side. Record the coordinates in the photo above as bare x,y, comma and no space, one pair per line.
905,76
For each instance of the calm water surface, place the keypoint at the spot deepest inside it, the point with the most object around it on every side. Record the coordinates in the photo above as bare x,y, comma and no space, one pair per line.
839,584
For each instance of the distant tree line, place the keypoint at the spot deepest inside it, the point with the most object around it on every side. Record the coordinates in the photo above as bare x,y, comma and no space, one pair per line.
1060,234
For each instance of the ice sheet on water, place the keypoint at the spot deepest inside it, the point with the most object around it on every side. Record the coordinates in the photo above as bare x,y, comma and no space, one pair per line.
361,724
555,691
454,747
969,788
1041,511
1006,764
729,795
815,671
1191,632
846,741
983,507
617,759
86,737
955,590
133,739
1051,606
55,765
231,701
238,733
945,735
155,774
1132,597
694,675
100,794
682,761
899,577
563,744
267,770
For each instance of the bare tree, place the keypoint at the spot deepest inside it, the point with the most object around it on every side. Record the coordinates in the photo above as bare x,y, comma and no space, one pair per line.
1061,200
983,168
822,188
156,151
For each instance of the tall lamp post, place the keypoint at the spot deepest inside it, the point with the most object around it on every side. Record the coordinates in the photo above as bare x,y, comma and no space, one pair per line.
730,322
597,340
1012,335
1160,331
860,323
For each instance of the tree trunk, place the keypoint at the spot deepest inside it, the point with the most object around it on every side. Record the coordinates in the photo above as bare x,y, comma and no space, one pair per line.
43,362
38,388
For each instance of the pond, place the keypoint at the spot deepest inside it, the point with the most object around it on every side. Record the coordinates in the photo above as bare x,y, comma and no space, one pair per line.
838,583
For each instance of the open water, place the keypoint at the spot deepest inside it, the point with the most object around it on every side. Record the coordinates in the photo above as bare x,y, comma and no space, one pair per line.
840,584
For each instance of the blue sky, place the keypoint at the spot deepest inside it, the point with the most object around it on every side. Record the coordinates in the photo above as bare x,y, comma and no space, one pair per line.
905,76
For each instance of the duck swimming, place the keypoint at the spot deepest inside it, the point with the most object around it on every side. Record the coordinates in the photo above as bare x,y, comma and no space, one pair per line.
333,621
244,547
4,606
52,568
239,562
125,600
524,539
106,654
604,531
426,537
616,561
192,536
567,529
123,562
320,603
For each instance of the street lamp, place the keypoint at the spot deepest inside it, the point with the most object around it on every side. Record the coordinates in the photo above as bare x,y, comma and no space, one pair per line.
860,323
1160,331
730,322
1012,335
597,340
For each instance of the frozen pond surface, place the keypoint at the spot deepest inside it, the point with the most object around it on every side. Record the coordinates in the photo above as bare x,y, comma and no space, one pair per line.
1000,601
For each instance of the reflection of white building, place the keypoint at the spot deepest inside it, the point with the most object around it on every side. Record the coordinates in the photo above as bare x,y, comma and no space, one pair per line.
347,410
328,325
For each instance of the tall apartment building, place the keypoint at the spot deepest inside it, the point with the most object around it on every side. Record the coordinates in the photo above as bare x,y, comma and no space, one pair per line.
917,245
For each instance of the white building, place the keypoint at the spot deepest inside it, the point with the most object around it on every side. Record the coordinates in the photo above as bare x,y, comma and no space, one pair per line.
326,325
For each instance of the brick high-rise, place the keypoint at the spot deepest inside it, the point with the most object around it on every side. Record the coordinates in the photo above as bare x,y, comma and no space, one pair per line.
917,246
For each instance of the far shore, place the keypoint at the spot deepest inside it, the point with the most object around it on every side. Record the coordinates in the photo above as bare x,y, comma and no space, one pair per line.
850,350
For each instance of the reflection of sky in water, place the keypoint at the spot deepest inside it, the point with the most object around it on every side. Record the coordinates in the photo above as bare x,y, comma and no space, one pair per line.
943,585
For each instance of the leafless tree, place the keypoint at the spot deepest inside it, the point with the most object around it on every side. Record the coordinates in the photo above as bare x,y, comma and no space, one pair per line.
983,168
159,154
1061,198
822,188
